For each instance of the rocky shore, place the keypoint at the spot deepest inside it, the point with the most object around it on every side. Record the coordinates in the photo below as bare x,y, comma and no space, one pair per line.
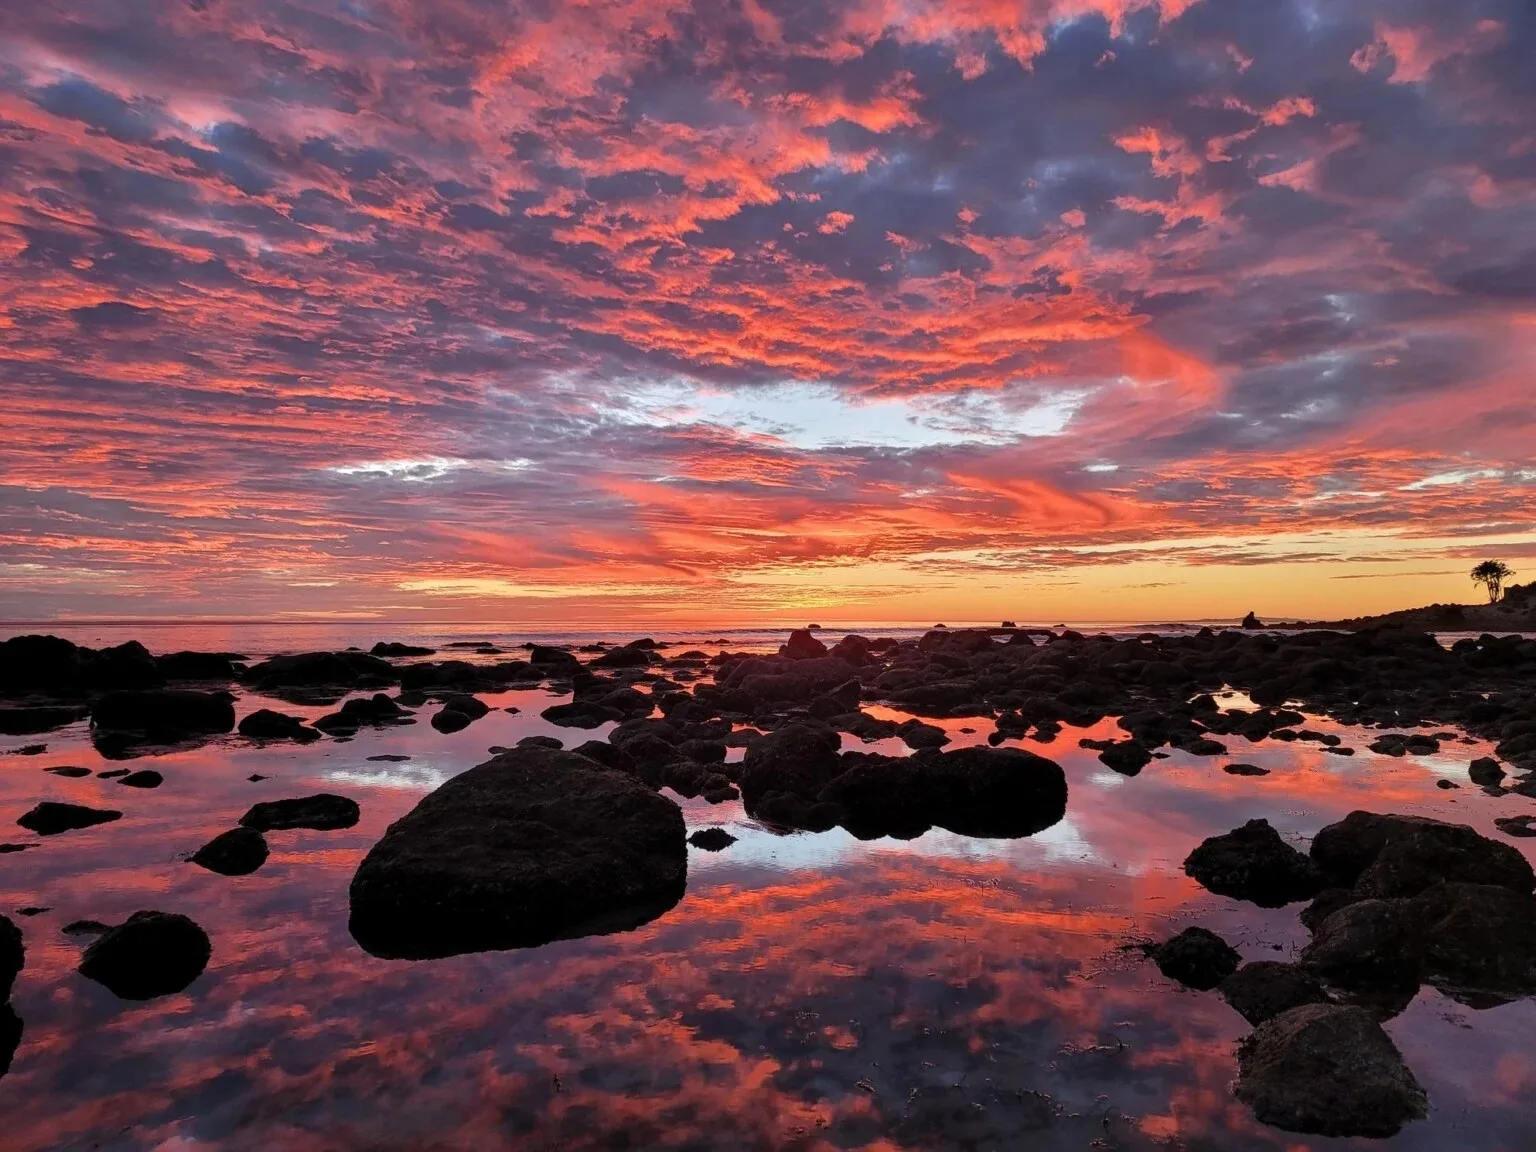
543,843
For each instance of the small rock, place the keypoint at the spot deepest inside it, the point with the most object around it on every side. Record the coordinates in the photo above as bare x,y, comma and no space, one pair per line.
1516,825
112,774
85,928
238,852
1327,1070
554,743
265,724
1486,771
69,772
712,839
145,778
8,848
255,777
1197,958
150,954
388,758
1244,770
323,812
50,817
31,750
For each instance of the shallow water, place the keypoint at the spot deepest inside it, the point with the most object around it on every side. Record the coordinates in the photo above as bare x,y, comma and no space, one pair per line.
810,991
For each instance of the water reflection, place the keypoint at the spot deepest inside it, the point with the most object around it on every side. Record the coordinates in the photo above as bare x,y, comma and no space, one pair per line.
809,991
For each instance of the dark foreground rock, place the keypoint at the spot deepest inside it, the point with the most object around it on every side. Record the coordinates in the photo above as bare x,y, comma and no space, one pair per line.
51,817
12,956
332,670
148,955
1196,958
532,846
1253,863
323,812
265,724
1387,855
238,852
1327,1070
43,718
1265,988
160,715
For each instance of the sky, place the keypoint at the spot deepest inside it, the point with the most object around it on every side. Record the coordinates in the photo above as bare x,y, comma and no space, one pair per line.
764,310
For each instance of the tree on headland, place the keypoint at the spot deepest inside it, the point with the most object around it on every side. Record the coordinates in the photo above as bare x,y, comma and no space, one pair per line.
1491,574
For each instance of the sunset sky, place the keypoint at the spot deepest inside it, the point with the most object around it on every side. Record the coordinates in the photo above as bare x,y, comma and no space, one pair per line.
764,310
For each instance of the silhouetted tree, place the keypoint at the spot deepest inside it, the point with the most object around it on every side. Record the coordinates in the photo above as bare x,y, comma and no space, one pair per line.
1491,574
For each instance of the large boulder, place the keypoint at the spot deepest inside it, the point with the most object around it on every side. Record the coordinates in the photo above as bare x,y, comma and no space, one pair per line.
52,817
1479,941
532,846
196,666
13,956
1253,863
1328,1070
1369,944
162,714
802,646
150,954
994,792
1387,855
323,812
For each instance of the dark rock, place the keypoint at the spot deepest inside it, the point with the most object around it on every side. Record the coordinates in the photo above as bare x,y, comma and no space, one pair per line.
1486,771
112,774
1390,855
50,817
162,714
13,956
1519,826
256,778
1127,757
1252,621
1253,863
1479,941
373,711
459,712
1196,957
801,759
803,646
33,910
917,735
150,954
335,670
323,812
994,792
265,724
626,657
530,847
69,772
238,852
395,648
196,666
1328,1070
85,928
1265,988
29,721
7,849
1369,943
388,758
712,839
1244,770
10,1036
553,661
581,714
146,778
30,750
1203,746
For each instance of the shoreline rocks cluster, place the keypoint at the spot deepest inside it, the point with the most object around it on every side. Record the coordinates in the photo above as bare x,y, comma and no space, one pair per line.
1396,902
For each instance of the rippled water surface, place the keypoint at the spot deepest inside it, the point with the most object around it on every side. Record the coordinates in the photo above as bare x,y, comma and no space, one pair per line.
810,991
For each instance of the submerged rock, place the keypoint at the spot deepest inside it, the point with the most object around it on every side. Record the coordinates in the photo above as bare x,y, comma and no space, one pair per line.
150,954
265,724
51,817
1327,1070
532,846
1265,988
1197,958
323,812
1253,863
238,852
69,772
